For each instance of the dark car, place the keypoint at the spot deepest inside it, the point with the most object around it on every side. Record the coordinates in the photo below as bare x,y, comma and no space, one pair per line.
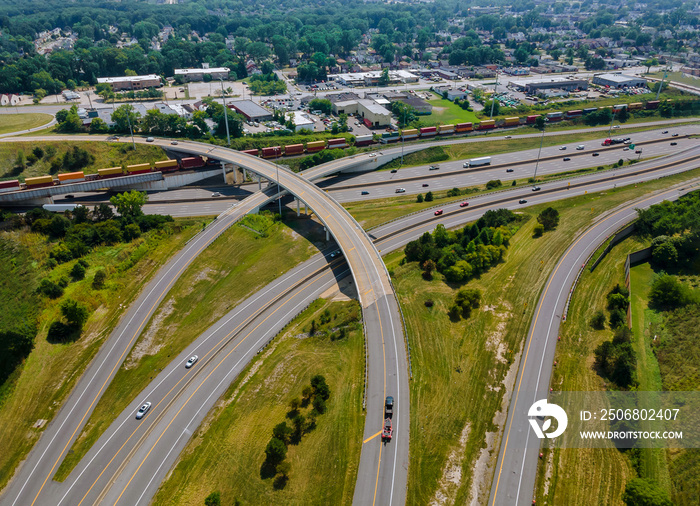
425,185
665,132
596,154
364,192
522,201
566,159
69,196
536,188
510,170
674,135
335,253
389,407
672,144
394,171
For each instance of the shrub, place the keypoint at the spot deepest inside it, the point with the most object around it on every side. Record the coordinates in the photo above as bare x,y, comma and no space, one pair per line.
618,318
50,289
78,271
131,232
494,183
598,320
98,281
539,230
549,218
668,293
429,197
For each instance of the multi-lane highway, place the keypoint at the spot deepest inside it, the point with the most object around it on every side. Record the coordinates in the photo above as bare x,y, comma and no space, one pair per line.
379,494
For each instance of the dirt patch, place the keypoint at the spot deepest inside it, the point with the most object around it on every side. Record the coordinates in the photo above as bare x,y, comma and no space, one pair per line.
452,472
203,275
148,344
549,467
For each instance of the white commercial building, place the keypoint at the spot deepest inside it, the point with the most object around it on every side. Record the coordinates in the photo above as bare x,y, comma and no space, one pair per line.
131,82
619,81
372,78
216,73
302,121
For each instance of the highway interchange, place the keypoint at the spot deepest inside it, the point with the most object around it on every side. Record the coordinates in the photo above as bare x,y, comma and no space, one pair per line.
105,472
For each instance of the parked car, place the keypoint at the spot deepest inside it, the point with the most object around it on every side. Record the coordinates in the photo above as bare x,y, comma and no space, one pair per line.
193,360
438,212
143,410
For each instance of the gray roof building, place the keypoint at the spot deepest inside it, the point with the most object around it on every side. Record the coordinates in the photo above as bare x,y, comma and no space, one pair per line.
250,110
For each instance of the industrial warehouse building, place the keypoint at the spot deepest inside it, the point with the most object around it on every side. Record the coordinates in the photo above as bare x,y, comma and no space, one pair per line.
619,81
553,83
251,110
131,82
372,78
198,74
376,114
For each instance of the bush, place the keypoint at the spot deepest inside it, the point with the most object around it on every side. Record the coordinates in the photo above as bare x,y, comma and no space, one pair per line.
131,232
213,499
50,289
669,293
78,271
419,199
618,318
494,183
98,281
539,230
276,451
598,320
429,197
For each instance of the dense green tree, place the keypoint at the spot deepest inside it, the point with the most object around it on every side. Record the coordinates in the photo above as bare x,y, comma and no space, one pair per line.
643,492
129,204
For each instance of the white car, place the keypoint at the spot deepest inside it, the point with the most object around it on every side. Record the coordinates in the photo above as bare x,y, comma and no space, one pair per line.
401,190
193,360
580,147
149,139
143,410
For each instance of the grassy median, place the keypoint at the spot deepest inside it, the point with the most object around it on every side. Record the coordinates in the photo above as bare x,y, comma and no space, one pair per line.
235,266
21,122
227,452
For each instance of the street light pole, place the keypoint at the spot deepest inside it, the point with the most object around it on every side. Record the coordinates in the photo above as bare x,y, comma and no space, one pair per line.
537,164
128,119
493,99
611,123
228,137
279,200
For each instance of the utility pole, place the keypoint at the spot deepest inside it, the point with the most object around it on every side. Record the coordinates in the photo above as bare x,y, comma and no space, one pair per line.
537,164
611,123
493,98
228,137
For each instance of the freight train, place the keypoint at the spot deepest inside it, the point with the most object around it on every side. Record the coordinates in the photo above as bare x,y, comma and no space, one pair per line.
164,166
409,134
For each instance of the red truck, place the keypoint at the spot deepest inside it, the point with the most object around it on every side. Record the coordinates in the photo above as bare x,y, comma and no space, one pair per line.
386,432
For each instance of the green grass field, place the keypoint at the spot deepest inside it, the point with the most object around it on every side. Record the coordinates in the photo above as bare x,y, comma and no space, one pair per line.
236,265
106,155
679,77
20,122
40,385
226,453
447,113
